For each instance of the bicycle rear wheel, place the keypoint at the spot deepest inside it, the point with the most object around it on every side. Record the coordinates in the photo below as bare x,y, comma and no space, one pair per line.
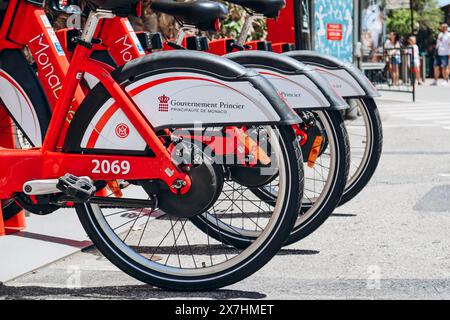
325,181
366,143
162,249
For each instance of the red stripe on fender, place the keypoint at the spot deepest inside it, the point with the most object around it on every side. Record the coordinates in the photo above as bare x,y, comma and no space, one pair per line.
316,96
265,73
150,84
101,125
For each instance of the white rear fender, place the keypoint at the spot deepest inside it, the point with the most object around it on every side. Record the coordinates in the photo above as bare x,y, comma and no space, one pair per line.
341,81
300,85
177,89
178,99
299,91
345,78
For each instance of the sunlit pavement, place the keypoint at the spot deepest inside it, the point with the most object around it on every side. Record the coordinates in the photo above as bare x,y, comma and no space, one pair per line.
392,241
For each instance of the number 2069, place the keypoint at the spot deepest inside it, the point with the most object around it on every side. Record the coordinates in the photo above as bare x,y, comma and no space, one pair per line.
114,167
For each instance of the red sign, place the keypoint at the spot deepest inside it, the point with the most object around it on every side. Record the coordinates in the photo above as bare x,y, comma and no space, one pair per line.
334,31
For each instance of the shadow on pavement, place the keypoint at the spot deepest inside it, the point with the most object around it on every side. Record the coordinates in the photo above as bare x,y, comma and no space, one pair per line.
118,292
344,215
199,249
53,239
436,200
299,252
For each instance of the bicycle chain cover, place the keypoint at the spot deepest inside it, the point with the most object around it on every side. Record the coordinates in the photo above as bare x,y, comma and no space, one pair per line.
80,188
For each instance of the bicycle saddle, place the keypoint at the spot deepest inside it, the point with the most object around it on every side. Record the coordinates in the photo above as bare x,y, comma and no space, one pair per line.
201,13
268,8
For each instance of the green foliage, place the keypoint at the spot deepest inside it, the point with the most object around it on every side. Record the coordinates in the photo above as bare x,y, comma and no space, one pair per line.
400,21
427,17
235,20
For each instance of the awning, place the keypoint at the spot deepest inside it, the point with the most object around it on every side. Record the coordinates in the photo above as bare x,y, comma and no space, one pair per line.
443,3
398,4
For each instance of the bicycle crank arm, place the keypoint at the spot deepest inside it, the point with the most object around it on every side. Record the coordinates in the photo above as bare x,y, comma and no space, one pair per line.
45,186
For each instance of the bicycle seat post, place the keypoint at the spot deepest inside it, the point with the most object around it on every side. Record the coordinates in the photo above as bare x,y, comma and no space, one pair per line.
246,29
92,23
182,32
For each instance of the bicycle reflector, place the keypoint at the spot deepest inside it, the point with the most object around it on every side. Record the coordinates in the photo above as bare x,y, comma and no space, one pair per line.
139,9
114,187
315,151
217,25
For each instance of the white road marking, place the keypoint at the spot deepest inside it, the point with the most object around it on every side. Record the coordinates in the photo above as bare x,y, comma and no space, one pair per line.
409,125
414,105
421,114
445,175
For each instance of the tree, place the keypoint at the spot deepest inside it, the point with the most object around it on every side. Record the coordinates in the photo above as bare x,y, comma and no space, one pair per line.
427,18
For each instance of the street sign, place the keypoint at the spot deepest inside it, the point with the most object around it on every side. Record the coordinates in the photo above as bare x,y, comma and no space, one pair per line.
334,31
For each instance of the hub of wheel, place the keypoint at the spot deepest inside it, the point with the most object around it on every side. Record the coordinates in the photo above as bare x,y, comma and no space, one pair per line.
206,186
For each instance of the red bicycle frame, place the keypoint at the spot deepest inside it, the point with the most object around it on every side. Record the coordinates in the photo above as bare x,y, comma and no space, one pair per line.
62,84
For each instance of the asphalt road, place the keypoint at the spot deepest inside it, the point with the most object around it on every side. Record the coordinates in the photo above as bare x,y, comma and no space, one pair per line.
391,242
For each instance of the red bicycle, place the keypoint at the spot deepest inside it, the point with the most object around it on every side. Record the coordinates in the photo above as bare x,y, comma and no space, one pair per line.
151,237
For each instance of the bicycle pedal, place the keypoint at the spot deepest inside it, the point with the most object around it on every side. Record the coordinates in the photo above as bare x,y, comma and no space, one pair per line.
80,188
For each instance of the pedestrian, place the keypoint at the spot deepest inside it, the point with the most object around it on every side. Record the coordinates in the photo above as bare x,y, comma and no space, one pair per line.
413,50
442,55
392,47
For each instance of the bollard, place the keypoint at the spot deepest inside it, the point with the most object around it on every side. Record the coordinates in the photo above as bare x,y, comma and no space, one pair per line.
13,225
16,223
